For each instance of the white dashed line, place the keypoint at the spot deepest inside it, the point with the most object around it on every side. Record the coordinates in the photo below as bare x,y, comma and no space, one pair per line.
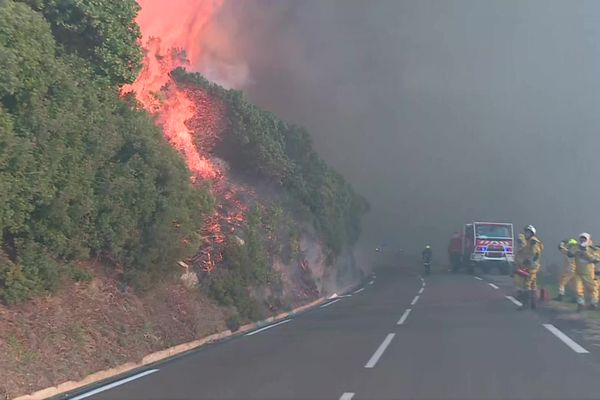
515,301
380,350
269,327
114,384
478,278
494,286
404,316
372,282
565,339
421,290
347,396
415,300
358,291
330,303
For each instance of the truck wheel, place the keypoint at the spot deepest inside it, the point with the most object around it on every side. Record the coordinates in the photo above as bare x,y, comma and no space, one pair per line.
471,268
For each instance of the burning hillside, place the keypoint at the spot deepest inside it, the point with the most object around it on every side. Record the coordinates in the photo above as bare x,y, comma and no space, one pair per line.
191,120
220,134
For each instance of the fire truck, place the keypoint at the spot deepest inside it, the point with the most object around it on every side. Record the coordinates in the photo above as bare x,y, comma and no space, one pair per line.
488,245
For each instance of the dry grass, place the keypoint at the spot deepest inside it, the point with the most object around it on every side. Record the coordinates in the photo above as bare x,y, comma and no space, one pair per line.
93,326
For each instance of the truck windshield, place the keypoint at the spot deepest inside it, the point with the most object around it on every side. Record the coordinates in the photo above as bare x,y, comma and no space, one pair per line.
494,231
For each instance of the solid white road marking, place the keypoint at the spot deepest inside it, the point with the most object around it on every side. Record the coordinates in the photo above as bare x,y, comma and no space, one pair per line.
347,396
114,384
494,286
566,340
359,290
415,300
269,327
330,303
379,352
336,296
404,316
478,278
421,290
515,301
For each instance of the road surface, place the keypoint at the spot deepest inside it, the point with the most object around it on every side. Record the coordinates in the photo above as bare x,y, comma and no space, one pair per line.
399,337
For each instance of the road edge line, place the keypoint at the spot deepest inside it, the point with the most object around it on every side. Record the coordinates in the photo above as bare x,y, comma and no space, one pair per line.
565,339
114,384
329,303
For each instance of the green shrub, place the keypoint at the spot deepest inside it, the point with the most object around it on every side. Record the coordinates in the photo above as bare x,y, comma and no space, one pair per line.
260,144
82,172
233,322
81,275
15,285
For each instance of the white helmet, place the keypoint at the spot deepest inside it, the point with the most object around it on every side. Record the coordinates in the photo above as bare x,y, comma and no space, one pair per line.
530,228
587,238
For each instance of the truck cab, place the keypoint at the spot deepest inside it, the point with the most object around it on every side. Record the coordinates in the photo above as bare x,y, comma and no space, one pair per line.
488,245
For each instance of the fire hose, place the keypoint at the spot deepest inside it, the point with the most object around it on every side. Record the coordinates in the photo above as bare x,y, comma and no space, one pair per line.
522,272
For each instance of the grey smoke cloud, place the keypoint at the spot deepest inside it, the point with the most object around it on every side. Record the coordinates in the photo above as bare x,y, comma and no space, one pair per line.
439,112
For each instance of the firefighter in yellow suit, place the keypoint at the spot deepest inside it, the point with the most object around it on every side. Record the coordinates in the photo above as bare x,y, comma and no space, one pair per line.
586,257
518,278
567,247
529,259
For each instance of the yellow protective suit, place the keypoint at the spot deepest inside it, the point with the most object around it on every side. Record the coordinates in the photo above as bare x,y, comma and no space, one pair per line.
585,270
568,271
530,257
518,279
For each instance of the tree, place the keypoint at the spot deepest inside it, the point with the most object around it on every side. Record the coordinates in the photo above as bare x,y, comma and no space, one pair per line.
101,31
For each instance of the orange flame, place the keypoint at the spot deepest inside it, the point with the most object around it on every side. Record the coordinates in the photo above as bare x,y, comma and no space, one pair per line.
170,37
175,34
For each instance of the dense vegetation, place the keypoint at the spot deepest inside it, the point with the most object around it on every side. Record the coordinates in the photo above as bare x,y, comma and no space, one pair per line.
82,173
259,143
85,174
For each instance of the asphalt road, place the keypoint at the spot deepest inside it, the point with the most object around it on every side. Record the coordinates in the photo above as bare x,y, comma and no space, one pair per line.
461,339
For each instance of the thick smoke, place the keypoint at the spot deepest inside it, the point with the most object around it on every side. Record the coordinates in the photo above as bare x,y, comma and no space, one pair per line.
440,112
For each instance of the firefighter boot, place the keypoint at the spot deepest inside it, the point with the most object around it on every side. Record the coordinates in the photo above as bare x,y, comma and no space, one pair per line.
533,299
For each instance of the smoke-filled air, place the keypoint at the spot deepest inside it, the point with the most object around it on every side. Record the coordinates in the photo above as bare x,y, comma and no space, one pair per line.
439,112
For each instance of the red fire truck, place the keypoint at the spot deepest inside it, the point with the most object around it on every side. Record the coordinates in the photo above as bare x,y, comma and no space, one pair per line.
486,245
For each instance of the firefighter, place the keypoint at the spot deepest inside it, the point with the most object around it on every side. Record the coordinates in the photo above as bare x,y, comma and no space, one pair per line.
530,259
426,254
566,247
586,257
518,275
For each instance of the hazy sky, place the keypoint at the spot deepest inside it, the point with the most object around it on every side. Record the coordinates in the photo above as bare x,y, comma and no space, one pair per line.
439,112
